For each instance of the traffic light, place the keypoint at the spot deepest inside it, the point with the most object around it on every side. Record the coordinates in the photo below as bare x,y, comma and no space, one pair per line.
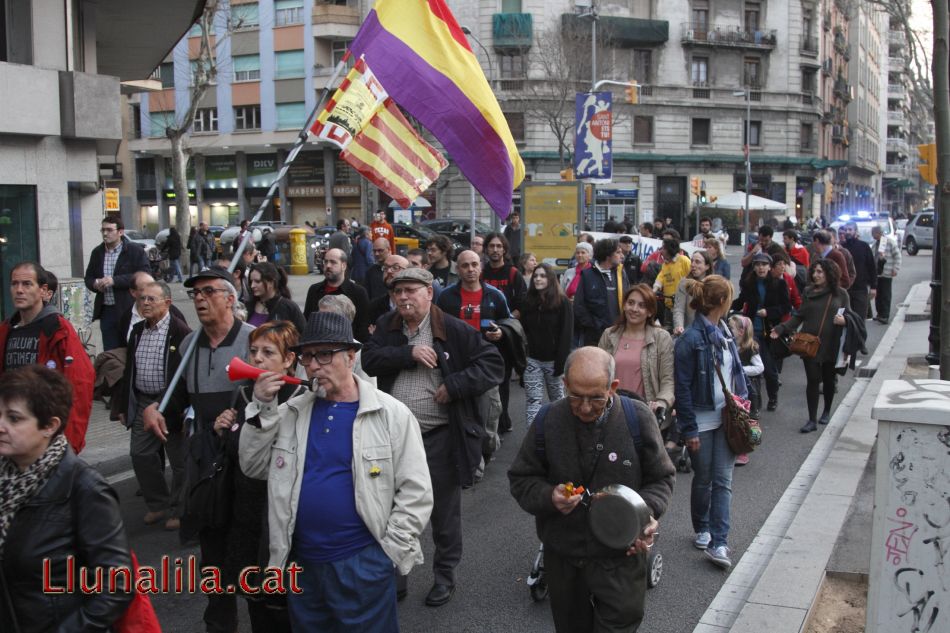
694,186
702,196
928,162
632,93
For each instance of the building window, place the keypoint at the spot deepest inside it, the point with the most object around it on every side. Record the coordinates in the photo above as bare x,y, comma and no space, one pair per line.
699,68
809,80
806,136
247,67
135,118
642,130
289,64
755,132
511,6
516,125
701,132
206,120
700,19
245,16
247,117
159,121
166,74
512,71
753,11
291,116
643,66
288,12
338,49
751,75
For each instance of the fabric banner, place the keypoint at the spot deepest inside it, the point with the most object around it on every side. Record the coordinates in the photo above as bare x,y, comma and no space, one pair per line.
376,139
593,137
419,53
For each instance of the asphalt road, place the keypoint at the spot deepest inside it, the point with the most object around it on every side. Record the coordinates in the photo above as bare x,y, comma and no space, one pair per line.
499,538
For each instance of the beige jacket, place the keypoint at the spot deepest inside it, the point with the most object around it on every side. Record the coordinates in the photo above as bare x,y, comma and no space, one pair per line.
390,474
656,362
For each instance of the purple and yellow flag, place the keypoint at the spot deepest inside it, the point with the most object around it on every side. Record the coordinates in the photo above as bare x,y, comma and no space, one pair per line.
421,57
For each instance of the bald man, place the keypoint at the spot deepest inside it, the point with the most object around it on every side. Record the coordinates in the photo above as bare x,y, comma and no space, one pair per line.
336,283
373,282
383,304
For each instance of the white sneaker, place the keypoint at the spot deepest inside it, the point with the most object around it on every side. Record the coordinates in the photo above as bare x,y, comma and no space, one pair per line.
702,540
719,556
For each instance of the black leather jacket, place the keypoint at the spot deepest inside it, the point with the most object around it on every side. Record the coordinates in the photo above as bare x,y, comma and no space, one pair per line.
75,514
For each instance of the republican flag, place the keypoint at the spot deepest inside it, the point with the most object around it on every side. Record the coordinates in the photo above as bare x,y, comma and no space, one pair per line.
376,139
419,54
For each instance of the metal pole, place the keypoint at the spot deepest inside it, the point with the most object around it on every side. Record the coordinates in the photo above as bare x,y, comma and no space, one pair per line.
298,145
471,228
939,304
491,84
593,47
748,164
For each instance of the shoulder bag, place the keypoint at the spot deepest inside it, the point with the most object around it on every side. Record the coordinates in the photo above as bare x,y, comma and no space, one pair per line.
743,433
806,345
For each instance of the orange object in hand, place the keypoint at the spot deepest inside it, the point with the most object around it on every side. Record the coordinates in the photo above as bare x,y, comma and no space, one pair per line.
570,490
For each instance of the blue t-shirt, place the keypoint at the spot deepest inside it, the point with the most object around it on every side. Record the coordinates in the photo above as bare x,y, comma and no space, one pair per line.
758,323
328,527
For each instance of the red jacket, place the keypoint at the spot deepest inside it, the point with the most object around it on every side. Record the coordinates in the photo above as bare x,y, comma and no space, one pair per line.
384,229
59,342
793,295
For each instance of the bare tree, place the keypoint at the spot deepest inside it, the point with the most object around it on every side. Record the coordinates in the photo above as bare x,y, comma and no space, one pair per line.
560,67
921,87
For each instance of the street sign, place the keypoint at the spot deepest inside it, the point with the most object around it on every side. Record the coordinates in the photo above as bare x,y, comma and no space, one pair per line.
593,155
111,199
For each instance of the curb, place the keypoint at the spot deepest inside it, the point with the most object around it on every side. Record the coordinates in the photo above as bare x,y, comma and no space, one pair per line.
774,584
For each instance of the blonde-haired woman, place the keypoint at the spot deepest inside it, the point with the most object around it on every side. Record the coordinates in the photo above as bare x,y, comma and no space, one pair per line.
705,346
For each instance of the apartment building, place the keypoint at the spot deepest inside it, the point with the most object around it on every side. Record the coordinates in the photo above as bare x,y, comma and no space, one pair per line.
273,59
61,64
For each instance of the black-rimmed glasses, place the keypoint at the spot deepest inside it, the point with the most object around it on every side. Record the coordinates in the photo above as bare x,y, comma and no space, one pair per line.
324,356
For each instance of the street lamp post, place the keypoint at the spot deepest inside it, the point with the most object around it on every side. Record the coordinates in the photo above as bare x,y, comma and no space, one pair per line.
748,160
491,84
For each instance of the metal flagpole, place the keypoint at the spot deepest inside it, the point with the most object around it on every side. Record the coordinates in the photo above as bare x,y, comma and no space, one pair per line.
242,245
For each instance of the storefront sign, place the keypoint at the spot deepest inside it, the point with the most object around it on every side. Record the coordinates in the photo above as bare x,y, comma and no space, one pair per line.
318,191
111,197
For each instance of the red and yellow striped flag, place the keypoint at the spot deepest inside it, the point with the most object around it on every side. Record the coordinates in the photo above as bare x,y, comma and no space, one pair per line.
377,140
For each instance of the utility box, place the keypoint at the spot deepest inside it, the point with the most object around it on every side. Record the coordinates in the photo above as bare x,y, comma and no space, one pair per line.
910,543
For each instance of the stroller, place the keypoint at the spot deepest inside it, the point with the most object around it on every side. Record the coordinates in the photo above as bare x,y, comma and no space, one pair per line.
158,263
538,586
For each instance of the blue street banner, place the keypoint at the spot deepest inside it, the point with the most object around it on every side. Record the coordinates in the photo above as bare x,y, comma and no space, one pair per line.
593,137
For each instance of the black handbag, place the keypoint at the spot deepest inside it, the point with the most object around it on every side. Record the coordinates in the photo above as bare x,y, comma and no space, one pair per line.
209,472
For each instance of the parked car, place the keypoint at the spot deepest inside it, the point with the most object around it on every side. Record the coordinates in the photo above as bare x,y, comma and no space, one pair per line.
457,229
919,232
139,238
409,237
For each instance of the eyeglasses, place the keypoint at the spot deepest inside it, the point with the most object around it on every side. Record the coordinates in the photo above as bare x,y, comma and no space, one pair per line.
206,291
324,356
594,403
395,268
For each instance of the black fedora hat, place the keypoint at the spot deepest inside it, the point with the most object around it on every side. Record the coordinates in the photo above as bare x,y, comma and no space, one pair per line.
328,327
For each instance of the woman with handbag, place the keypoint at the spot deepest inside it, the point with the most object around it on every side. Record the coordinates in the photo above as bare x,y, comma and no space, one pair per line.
53,506
764,299
269,349
817,341
708,373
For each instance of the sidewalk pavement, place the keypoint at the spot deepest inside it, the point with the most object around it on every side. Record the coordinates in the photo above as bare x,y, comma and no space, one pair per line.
775,584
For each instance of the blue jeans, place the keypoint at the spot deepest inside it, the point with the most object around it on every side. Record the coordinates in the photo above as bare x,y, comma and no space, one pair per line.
538,378
175,269
355,594
711,493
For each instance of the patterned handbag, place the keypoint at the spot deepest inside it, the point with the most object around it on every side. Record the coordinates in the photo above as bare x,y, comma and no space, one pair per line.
743,433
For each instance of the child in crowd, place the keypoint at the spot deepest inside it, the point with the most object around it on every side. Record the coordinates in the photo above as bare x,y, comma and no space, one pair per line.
741,327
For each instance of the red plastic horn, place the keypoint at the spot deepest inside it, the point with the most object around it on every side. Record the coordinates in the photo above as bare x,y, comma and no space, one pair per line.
239,370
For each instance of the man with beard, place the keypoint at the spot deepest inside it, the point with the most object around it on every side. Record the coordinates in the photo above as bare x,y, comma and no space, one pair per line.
864,285
335,282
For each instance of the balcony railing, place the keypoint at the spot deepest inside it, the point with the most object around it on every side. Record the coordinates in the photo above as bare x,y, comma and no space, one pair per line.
896,118
841,134
896,90
330,13
897,144
809,45
512,30
699,34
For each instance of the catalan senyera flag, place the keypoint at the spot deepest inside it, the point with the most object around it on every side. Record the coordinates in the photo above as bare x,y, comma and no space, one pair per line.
420,55
376,139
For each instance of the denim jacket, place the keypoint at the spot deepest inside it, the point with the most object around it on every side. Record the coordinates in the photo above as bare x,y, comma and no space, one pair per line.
696,374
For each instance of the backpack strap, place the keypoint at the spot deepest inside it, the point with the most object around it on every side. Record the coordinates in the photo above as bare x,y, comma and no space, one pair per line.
539,449
633,422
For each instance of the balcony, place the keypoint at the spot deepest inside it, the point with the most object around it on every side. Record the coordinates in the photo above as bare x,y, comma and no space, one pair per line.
618,32
809,45
843,90
335,21
897,118
896,39
841,135
698,34
896,91
511,31
898,146
896,170
701,90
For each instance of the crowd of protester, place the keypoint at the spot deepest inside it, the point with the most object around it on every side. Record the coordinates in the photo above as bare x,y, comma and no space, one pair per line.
405,366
